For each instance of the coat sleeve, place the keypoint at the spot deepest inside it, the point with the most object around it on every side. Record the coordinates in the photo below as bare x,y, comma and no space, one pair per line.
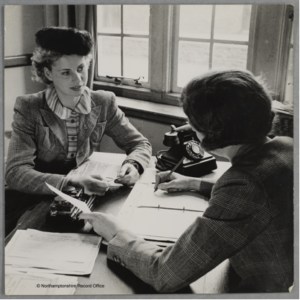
237,214
126,136
20,172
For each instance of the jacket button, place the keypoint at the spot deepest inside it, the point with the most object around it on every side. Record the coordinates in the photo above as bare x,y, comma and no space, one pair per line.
122,264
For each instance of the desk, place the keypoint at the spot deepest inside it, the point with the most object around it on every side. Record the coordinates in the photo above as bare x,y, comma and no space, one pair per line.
115,279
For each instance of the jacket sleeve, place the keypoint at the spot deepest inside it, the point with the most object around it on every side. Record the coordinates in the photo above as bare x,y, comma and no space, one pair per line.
20,172
126,136
237,214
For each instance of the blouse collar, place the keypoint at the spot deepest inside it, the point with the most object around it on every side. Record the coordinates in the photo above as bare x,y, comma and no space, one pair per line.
83,106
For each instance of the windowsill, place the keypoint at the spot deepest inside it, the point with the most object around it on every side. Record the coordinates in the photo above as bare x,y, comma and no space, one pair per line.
141,103
162,113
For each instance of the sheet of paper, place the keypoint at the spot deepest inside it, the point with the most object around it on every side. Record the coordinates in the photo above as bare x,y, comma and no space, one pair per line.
176,200
37,284
109,172
79,204
52,246
161,222
62,253
148,176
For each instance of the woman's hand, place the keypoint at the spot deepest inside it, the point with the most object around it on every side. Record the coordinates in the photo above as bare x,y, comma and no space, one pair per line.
175,183
128,175
93,184
105,225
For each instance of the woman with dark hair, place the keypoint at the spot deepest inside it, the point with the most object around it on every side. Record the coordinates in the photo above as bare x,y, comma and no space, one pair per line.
57,129
249,219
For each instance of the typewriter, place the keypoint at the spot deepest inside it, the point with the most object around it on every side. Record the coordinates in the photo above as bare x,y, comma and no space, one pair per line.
63,213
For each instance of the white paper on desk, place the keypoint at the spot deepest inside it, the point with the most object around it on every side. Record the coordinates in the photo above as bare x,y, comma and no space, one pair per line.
177,200
162,223
67,247
79,204
109,172
60,253
27,284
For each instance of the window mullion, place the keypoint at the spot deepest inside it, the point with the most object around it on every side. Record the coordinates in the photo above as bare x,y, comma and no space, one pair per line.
175,50
211,44
122,41
159,66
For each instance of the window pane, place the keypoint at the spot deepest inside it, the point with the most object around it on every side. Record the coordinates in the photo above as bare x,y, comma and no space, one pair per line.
136,19
232,22
195,21
109,18
229,56
136,58
193,60
109,56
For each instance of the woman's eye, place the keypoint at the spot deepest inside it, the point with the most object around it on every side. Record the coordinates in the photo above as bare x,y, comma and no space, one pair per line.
80,69
65,73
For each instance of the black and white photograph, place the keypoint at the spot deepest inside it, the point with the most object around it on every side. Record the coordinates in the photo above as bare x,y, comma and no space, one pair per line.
148,149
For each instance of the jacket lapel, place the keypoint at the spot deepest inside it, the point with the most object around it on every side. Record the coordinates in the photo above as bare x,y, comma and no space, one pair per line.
87,124
56,125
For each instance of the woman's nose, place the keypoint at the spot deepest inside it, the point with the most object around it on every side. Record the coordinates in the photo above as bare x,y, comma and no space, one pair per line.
77,76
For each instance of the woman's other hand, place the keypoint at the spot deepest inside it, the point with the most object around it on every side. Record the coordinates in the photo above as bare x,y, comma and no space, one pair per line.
93,184
174,183
128,175
106,225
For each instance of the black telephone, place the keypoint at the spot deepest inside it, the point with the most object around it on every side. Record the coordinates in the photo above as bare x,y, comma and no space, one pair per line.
185,144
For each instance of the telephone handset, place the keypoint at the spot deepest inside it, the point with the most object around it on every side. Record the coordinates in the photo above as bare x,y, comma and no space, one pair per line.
185,144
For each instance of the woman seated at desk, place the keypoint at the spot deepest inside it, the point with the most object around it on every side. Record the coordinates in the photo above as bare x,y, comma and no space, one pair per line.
250,215
58,129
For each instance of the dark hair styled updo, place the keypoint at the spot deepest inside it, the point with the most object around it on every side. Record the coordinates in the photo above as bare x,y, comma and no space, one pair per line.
229,107
53,43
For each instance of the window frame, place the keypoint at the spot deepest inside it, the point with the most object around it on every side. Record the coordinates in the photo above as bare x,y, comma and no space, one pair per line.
270,61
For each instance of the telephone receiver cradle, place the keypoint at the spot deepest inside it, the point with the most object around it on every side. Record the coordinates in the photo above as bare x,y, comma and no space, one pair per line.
185,144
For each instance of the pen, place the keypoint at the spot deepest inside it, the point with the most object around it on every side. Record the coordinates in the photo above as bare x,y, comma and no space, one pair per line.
169,175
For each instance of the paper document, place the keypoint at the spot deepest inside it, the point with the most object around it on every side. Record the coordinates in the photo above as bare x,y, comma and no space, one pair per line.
79,204
160,216
109,172
177,200
61,253
37,284
163,223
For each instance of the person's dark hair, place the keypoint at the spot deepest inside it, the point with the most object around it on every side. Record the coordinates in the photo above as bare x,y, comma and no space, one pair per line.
55,42
229,107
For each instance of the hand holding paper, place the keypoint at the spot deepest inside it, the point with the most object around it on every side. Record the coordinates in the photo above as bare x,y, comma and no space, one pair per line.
79,204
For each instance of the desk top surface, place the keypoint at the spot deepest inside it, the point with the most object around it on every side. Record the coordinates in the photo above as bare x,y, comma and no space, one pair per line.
109,278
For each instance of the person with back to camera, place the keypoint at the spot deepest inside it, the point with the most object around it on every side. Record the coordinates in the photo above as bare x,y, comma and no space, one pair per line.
57,129
249,219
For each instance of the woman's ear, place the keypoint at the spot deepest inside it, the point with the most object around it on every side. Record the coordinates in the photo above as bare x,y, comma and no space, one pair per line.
48,74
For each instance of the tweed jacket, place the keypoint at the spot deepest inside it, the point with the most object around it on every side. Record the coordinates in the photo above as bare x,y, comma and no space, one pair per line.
249,220
39,145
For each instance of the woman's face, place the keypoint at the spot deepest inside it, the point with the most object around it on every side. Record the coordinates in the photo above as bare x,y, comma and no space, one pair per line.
69,75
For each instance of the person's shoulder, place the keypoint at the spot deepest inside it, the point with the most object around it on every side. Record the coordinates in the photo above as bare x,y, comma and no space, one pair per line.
283,141
30,101
102,97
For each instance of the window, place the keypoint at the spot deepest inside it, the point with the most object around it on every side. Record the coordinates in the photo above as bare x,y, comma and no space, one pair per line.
209,37
123,42
150,51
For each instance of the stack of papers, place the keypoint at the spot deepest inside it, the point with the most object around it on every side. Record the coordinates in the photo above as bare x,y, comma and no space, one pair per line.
32,253
19,283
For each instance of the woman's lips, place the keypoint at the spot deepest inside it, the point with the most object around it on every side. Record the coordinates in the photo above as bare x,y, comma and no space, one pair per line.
76,88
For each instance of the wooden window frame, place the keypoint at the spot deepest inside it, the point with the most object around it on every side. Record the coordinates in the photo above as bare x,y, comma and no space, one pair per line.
268,52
